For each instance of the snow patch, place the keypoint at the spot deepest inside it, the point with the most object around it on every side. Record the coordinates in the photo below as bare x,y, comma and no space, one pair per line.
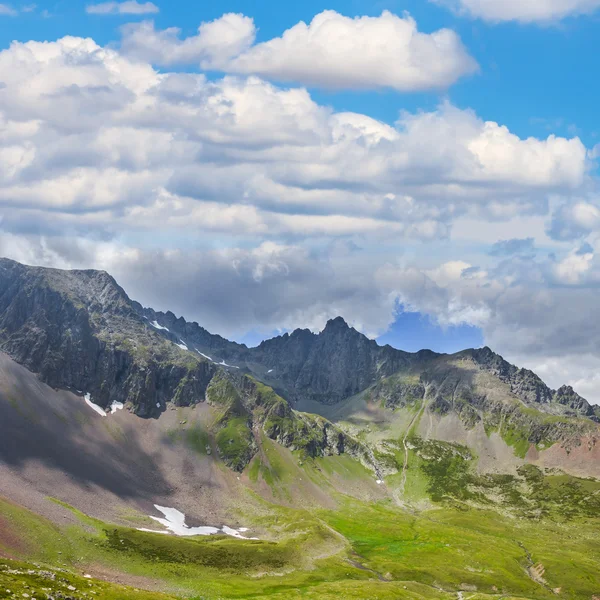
236,533
221,364
95,407
156,325
269,371
174,521
182,345
158,405
379,482
115,406
224,364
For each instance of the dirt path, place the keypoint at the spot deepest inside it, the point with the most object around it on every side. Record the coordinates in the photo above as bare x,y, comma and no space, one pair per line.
536,572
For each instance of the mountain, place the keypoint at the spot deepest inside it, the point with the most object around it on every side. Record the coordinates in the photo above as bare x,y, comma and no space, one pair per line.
120,411
78,330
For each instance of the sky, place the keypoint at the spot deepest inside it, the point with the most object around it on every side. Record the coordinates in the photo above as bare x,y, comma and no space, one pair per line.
426,169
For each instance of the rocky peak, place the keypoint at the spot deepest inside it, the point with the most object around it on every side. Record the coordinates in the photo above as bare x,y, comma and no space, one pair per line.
567,396
337,324
528,386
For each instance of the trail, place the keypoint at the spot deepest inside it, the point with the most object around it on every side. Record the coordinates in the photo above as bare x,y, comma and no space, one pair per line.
536,572
414,420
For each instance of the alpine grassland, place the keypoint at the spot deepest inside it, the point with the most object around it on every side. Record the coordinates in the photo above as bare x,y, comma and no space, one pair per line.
458,534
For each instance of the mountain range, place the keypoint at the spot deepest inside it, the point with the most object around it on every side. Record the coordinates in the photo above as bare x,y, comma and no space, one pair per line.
111,407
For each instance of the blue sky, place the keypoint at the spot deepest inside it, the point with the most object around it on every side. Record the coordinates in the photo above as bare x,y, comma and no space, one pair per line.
430,173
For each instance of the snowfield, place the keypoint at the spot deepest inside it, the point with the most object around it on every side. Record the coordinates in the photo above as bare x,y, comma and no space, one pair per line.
174,521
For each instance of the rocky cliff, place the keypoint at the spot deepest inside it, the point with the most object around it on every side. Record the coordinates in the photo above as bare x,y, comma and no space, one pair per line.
78,330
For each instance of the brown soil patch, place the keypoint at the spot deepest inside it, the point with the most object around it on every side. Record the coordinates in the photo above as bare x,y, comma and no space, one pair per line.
10,542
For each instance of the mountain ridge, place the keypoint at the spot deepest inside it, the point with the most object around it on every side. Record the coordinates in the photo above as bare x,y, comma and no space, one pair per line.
79,330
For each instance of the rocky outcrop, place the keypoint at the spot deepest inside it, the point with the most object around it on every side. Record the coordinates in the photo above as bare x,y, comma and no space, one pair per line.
398,391
527,386
250,408
78,330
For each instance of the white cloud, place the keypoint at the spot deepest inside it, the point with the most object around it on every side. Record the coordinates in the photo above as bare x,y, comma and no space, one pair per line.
131,7
339,52
105,142
333,51
215,43
522,11
575,219
7,10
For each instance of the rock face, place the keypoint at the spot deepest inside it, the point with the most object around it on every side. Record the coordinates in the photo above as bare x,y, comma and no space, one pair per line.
249,409
336,364
79,330
527,386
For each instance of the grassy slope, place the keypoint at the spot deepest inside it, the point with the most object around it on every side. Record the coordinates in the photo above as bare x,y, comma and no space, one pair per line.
358,550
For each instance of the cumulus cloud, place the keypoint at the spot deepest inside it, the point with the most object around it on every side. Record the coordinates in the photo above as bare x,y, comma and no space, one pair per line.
92,139
575,219
215,43
528,11
333,51
131,7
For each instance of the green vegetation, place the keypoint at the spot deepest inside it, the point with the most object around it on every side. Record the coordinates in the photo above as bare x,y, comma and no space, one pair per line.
451,478
470,541
236,443
195,436
24,580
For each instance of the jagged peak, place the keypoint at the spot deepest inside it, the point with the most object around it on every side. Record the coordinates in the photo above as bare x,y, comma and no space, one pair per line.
337,323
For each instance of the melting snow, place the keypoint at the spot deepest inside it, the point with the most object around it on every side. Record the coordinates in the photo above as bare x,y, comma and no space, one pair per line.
153,531
224,364
236,533
98,409
221,364
182,345
174,521
115,406
269,371
156,325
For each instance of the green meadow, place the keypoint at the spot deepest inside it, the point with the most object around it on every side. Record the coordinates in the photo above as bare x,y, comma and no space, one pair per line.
528,536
